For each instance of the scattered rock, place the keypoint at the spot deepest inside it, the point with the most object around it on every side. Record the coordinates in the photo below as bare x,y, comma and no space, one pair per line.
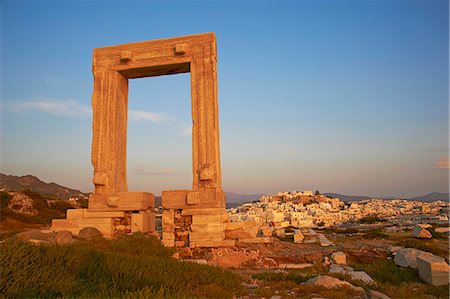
444,230
433,269
425,225
89,233
337,269
377,295
298,236
35,234
361,275
339,258
422,233
324,242
197,261
294,266
394,249
331,282
407,257
22,203
64,237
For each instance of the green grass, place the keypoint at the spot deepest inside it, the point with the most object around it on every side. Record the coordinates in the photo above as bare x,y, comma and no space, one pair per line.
134,266
375,234
399,282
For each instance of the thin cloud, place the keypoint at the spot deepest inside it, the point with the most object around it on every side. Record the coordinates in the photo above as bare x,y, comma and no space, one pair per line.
56,107
443,163
73,108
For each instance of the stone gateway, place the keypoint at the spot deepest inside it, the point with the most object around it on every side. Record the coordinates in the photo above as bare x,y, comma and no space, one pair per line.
195,217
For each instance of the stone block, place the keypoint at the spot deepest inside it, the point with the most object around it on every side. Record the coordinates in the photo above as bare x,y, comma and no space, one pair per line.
203,236
170,228
407,257
143,222
205,211
74,213
339,258
203,219
168,236
168,217
70,225
433,269
104,225
208,227
91,214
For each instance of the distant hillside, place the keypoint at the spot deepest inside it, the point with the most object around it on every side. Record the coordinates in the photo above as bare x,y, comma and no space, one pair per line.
348,198
432,197
235,199
29,182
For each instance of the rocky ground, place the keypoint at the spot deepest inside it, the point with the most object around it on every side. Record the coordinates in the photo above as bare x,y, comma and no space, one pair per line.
348,265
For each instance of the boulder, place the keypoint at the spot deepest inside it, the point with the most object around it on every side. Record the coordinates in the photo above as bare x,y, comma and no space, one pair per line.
422,233
324,242
394,249
64,237
407,257
442,230
339,258
298,236
89,233
331,282
361,275
35,234
433,269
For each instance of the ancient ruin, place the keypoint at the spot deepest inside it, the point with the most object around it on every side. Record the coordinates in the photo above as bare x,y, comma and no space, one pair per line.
195,217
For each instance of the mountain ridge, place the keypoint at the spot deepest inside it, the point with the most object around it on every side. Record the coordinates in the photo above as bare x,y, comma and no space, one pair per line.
34,184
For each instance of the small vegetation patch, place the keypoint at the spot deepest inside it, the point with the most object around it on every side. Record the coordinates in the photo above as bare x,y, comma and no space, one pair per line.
399,282
47,209
134,266
375,234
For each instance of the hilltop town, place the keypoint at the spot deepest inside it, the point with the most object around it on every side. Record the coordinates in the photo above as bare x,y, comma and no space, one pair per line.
307,209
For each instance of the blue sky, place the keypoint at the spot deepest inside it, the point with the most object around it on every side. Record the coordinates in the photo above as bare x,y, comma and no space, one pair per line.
340,96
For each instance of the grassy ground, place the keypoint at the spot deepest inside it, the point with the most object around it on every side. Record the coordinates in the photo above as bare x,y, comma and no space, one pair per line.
134,266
